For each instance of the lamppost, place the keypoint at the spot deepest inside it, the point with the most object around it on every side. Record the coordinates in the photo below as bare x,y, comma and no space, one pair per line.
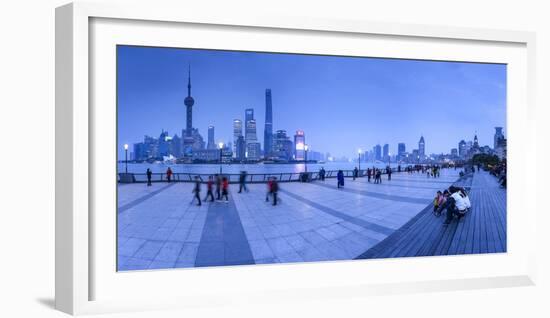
306,147
220,144
126,158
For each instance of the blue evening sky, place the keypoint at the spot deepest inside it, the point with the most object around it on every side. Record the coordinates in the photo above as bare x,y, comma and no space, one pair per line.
341,103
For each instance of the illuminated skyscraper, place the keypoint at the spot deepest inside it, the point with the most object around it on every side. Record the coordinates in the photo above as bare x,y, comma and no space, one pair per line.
237,132
250,126
462,150
299,145
268,129
211,143
386,152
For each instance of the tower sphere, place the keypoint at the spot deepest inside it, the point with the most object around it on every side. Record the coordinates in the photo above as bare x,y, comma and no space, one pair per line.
189,101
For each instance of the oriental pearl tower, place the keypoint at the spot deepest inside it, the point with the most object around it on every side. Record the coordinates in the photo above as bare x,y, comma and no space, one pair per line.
189,102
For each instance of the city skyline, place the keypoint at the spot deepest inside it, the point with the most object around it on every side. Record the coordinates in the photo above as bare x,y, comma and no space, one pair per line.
363,126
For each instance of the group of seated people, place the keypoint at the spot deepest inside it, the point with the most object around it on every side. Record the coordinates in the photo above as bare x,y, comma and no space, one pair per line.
455,200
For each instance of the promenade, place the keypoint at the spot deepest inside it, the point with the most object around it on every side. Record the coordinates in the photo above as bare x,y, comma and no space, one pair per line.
159,227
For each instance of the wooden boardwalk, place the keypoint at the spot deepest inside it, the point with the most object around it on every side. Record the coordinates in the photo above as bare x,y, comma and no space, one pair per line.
482,230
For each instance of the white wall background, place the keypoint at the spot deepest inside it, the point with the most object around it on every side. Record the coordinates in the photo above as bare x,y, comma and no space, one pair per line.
27,158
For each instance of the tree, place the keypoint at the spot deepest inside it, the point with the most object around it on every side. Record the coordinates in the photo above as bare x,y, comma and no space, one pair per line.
485,160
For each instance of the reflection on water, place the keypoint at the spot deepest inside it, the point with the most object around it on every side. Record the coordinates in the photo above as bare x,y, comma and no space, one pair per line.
250,168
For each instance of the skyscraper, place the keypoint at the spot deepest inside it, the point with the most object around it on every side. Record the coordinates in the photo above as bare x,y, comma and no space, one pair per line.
240,149
498,135
237,132
211,143
401,150
386,152
462,151
377,152
268,129
421,147
299,145
282,147
250,126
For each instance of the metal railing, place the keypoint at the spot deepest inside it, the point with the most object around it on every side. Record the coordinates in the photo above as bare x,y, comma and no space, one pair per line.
250,177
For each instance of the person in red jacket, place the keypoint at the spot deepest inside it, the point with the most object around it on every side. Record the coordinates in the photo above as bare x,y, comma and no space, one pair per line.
225,189
209,188
169,174
269,189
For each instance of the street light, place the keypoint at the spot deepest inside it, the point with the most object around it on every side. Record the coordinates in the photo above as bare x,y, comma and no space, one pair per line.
220,144
306,147
126,157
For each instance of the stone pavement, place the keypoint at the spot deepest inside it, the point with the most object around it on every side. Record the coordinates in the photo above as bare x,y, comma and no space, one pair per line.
159,226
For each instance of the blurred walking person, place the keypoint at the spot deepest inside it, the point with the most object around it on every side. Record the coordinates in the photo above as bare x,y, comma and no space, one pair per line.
269,189
197,190
225,189
169,174
274,190
209,188
340,178
149,175
242,182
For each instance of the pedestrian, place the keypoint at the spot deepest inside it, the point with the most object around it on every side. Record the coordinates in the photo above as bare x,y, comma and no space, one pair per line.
269,189
389,173
274,190
340,178
209,188
355,173
438,201
369,172
149,175
242,182
225,189
197,190
322,174
379,175
169,174
218,180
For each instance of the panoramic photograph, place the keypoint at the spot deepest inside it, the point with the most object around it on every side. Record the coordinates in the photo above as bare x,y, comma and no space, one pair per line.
231,158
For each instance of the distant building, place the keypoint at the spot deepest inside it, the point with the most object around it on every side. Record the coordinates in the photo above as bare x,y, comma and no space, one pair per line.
401,150
500,150
211,143
253,151
253,147
206,155
415,156
421,148
250,126
377,152
240,149
268,128
454,152
299,145
237,132
386,153
282,146
462,150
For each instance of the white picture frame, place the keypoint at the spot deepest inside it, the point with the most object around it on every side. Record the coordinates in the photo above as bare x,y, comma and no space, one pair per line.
83,27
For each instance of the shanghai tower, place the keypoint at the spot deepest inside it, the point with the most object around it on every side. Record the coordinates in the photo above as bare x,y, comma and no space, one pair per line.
268,130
